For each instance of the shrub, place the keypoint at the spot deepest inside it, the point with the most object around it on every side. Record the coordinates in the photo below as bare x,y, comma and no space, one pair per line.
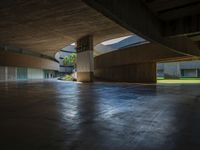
68,78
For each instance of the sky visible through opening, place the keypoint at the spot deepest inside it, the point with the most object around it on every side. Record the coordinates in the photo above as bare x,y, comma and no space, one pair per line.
113,41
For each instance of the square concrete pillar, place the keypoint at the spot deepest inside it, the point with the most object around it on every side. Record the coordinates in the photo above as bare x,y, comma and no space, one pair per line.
85,59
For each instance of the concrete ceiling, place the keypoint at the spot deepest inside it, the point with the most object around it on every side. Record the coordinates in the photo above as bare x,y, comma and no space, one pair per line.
45,26
168,23
181,12
168,10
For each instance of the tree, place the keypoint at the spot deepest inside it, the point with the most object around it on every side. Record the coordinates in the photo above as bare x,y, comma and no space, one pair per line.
70,59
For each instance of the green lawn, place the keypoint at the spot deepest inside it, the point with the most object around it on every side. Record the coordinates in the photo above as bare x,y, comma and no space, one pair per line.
181,80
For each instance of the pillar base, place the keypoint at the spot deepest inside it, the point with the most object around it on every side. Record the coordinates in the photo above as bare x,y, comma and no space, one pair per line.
85,76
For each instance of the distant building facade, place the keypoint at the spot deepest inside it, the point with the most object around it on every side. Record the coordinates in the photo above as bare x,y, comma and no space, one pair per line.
179,69
8,73
20,64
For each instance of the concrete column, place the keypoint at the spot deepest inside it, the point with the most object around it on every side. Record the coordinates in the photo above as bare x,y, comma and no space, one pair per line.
85,60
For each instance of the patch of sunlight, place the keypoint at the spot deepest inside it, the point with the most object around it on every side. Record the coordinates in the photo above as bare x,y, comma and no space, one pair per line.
181,80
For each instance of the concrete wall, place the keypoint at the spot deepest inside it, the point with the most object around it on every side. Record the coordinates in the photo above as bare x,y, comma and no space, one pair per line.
138,73
10,64
22,60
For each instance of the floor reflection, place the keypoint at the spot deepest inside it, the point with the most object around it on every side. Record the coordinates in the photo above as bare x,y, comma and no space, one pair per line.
67,115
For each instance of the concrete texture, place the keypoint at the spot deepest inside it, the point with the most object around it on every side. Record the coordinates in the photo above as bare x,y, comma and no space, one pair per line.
22,60
135,73
100,116
138,54
47,26
85,59
148,25
85,76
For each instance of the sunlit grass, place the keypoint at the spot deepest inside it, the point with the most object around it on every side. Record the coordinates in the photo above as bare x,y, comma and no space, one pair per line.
181,80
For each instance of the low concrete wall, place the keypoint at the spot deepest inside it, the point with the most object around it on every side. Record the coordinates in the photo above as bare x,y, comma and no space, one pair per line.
137,73
21,60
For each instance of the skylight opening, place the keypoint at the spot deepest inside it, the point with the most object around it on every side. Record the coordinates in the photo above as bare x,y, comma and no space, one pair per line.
73,44
113,41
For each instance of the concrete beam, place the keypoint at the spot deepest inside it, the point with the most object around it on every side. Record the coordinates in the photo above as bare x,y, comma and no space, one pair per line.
137,18
165,5
22,60
138,54
183,26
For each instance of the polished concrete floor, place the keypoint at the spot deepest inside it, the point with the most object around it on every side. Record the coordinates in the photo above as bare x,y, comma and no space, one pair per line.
58,115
